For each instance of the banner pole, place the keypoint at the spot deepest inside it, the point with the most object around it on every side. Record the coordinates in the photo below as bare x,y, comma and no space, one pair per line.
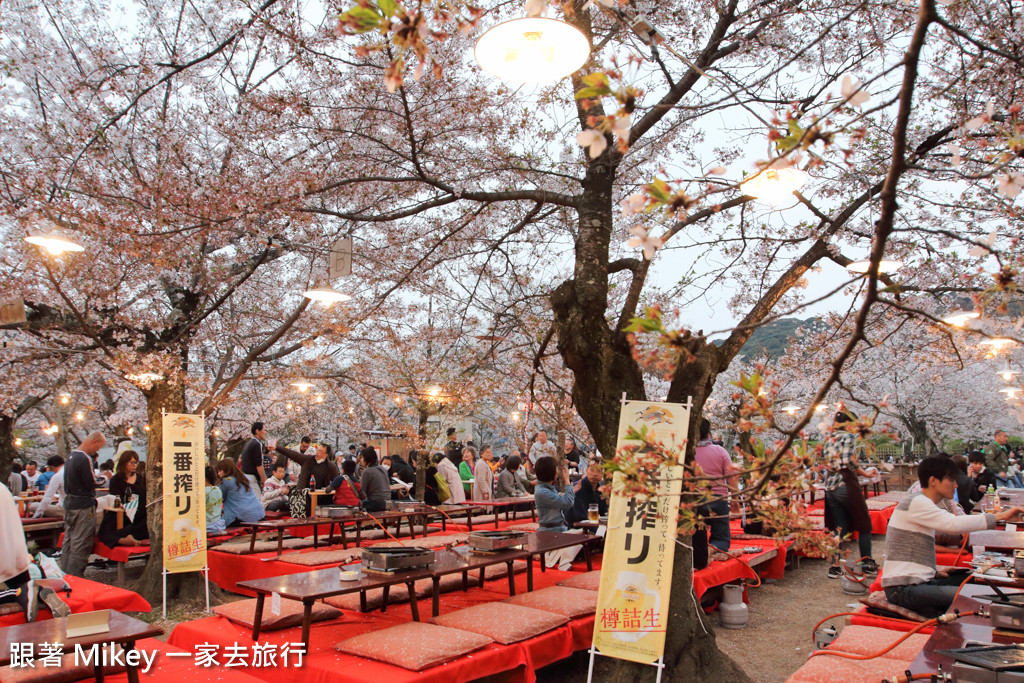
590,669
165,592
206,575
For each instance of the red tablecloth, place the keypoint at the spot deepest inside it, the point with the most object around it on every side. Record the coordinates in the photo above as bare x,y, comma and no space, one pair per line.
169,668
87,596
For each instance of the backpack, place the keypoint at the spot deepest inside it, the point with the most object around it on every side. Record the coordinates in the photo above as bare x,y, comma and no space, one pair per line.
443,492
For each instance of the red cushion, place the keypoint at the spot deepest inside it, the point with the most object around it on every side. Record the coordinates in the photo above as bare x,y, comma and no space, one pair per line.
589,581
824,669
867,640
243,613
502,622
570,602
414,645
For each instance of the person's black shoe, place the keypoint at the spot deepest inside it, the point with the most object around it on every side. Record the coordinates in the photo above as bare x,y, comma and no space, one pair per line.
835,572
869,566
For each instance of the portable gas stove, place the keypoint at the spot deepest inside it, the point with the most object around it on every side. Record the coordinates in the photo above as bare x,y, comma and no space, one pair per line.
387,559
492,541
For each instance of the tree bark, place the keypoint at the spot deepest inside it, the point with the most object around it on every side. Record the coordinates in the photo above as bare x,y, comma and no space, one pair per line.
189,587
8,451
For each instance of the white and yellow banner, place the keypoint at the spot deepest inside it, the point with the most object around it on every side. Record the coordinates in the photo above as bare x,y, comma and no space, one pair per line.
636,570
184,493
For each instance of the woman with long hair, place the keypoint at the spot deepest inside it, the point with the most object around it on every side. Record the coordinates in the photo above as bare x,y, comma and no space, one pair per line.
127,485
241,504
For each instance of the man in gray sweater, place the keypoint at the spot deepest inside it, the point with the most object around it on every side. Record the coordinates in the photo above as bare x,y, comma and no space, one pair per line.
910,577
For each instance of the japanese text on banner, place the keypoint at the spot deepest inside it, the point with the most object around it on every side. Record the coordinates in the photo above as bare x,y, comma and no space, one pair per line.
636,572
184,457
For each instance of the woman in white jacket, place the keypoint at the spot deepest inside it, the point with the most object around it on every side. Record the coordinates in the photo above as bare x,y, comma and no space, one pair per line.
451,477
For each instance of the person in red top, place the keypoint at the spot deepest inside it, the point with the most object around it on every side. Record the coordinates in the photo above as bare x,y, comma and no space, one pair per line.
346,488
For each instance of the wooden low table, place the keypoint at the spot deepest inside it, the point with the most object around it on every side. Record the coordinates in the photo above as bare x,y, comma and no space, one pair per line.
124,630
998,540
544,541
358,519
308,587
23,502
452,562
508,505
953,635
280,525
43,529
449,511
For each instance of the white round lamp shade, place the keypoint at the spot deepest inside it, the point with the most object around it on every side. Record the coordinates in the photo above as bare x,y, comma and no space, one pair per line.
775,186
54,243
326,295
532,50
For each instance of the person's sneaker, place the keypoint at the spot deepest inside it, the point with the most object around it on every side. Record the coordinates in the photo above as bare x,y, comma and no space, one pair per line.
28,599
58,607
869,566
835,572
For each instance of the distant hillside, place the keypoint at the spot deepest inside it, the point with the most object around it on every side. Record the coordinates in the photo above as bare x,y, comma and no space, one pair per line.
773,338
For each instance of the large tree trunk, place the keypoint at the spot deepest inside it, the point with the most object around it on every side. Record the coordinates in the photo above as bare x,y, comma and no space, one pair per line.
918,429
188,587
8,451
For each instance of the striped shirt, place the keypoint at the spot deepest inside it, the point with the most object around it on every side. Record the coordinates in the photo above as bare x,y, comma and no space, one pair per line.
910,538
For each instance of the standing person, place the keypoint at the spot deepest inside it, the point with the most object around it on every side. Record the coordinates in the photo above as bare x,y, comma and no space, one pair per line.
542,448
845,509
450,474
80,505
126,484
318,465
997,459
292,467
52,504
251,459
375,484
715,464
466,470
483,475
452,448
572,453
241,504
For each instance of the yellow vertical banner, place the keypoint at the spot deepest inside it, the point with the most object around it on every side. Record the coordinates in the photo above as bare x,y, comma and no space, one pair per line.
636,569
184,453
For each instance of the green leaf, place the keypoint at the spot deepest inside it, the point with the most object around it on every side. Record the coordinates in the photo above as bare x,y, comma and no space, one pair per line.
388,7
598,79
584,93
365,18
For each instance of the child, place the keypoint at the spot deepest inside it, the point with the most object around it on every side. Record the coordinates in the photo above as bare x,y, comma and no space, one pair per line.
345,487
275,491
214,504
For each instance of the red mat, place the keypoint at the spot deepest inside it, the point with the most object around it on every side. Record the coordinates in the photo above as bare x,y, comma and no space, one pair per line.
170,667
87,596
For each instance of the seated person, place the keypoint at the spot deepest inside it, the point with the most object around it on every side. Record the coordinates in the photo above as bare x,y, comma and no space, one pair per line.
982,476
910,577
16,584
275,490
375,483
509,484
345,487
589,494
241,504
214,504
966,492
554,496
127,484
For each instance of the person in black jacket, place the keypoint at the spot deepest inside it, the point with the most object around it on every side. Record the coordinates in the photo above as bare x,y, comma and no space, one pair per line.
982,476
589,494
966,491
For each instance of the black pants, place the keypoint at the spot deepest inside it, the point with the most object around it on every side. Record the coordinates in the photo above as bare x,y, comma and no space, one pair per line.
12,588
838,503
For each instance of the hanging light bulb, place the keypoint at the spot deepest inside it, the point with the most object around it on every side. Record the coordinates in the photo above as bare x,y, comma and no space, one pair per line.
131,430
144,377
960,319
319,398
884,267
54,242
17,442
515,417
774,186
997,344
303,386
79,416
532,49
790,409
1011,392
65,399
1007,374
326,295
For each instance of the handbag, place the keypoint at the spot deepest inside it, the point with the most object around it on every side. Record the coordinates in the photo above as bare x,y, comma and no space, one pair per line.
298,502
443,492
